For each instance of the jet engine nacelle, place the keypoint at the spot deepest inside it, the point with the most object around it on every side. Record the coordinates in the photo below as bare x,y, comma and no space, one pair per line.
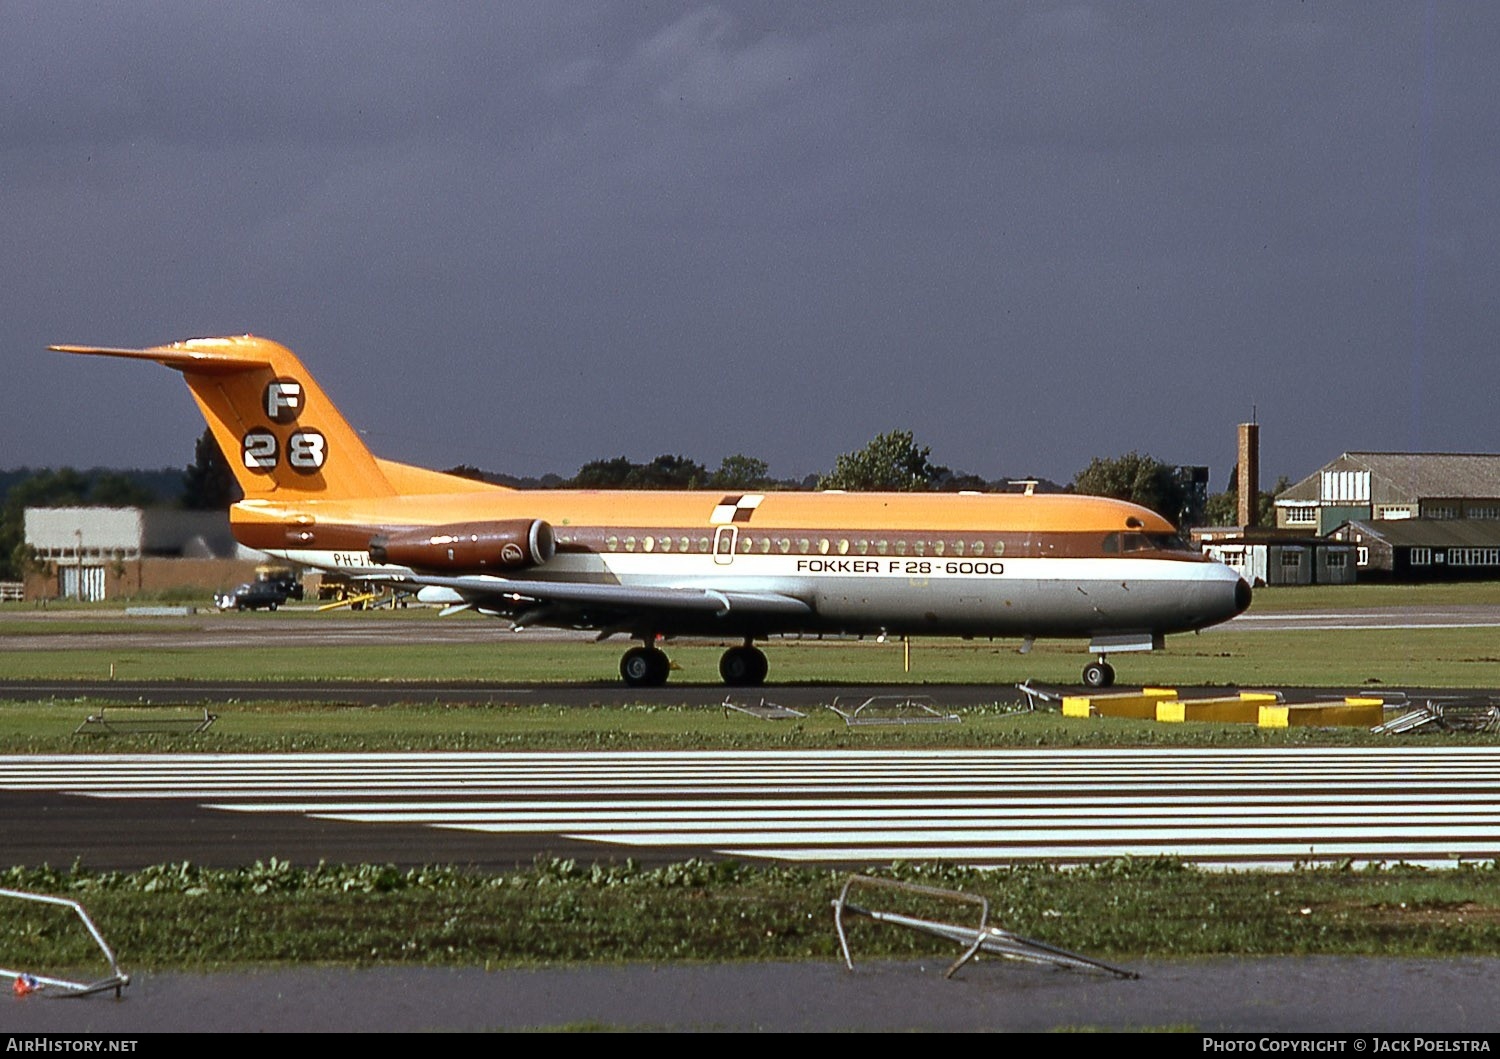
513,544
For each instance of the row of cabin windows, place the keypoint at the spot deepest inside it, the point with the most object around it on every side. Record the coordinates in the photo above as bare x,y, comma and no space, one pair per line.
748,544
751,544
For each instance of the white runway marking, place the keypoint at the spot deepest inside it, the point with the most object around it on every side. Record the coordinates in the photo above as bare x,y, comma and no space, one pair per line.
1216,807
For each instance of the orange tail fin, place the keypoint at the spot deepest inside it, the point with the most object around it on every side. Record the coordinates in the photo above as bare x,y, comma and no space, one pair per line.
278,430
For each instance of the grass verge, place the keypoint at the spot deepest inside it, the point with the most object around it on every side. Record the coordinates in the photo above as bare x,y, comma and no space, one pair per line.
183,917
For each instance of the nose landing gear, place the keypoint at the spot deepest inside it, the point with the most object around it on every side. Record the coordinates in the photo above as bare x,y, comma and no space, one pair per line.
1099,674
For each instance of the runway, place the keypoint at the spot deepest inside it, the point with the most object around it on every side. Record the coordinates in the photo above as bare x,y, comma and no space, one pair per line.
1223,808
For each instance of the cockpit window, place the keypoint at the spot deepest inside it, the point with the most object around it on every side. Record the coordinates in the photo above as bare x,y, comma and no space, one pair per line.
1115,543
1170,542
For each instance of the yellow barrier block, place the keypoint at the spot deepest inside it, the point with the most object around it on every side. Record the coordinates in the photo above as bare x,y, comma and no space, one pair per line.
1077,706
1363,700
1227,710
1123,704
1259,696
1322,715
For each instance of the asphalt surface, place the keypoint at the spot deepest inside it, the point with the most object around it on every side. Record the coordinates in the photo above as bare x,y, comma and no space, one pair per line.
1284,995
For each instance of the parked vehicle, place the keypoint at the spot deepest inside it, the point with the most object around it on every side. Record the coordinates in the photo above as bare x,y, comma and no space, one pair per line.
253,595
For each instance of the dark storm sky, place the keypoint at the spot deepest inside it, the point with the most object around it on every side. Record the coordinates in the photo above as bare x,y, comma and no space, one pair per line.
528,235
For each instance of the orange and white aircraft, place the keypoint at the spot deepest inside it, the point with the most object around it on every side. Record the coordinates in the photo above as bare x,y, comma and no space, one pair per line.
655,565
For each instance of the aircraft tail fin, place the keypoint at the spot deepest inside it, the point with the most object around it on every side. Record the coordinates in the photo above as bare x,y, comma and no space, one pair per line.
282,436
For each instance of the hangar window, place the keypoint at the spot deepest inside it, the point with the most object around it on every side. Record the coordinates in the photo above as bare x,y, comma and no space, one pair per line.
1421,556
1291,560
1362,556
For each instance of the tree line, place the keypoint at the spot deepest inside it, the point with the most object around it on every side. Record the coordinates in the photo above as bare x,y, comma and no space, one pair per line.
891,462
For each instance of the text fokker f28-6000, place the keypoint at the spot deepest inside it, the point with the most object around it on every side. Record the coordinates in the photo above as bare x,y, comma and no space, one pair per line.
654,565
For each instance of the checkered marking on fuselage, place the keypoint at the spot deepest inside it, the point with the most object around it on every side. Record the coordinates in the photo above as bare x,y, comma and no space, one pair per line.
735,509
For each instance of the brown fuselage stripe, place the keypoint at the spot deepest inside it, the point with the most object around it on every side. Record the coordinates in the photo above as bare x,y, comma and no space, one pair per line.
765,540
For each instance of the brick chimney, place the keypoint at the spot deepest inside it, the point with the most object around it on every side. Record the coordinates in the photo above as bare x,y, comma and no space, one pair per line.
1249,473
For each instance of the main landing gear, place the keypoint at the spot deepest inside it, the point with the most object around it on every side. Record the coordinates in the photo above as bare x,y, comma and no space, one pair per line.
647,667
743,667
1099,674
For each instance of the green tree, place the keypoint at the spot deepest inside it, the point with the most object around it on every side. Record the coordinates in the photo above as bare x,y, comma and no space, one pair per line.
467,470
1223,509
668,472
664,472
892,462
112,489
603,474
62,488
741,472
207,483
1137,478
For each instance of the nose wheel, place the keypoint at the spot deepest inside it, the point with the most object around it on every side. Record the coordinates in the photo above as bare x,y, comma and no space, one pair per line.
645,667
743,667
1099,674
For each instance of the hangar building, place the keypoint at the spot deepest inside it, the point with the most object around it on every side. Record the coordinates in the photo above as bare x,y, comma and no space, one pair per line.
94,553
1390,486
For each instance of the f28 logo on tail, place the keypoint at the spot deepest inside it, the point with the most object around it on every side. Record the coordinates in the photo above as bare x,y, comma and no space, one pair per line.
282,400
306,451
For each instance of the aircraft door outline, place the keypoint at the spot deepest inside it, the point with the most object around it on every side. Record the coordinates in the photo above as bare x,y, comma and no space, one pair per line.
725,538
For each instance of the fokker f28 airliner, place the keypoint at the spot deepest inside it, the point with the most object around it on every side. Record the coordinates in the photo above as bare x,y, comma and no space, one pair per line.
654,565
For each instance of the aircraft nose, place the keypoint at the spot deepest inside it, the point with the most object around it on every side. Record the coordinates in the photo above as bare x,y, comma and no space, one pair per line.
1242,595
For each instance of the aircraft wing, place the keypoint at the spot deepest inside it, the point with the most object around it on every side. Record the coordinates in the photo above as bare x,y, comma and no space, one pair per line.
511,594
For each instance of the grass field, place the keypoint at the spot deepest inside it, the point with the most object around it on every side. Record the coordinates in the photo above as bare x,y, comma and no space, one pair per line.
279,913
1239,657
